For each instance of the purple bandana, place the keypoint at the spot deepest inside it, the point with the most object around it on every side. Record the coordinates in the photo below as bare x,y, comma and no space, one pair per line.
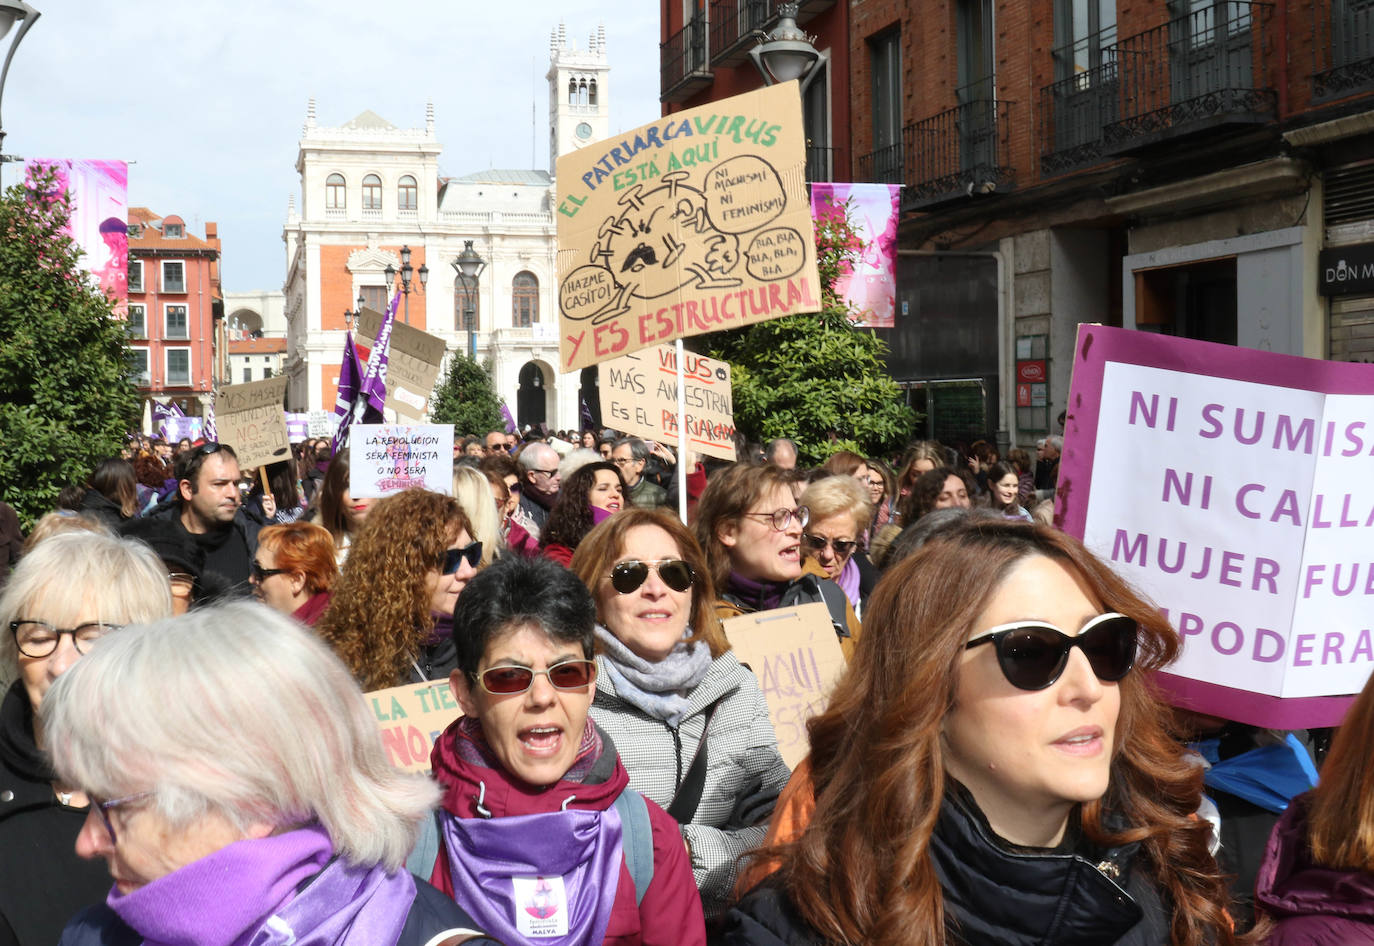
548,879
242,895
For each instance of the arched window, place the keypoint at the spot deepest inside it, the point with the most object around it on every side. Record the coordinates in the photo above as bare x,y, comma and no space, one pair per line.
572,91
582,92
591,92
525,299
407,194
467,312
372,192
334,189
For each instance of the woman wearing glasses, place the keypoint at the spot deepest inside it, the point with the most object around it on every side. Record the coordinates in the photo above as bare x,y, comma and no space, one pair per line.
538,835
391,616
62,597
994,767
750,528
690,722
221,823
293,570
840,511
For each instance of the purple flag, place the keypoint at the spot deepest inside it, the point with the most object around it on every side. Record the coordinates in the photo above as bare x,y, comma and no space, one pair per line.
587,422
374,380
510,421
350,385
211,433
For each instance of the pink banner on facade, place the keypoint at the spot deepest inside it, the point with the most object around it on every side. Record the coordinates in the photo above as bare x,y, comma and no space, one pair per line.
100,219
870,287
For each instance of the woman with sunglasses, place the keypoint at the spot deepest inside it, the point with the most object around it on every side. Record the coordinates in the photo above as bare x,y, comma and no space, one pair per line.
690,721
294,570
64,596
538,835
840,511
391,617
589,496
750,527
994,767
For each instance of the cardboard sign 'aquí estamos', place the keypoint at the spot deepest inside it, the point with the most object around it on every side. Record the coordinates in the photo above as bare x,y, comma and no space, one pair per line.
694,223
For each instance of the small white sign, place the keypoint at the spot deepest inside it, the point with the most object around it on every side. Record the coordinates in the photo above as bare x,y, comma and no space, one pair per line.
387,458
541,906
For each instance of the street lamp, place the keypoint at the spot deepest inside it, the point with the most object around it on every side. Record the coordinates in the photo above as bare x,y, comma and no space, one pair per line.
352,315
10,12
786,52
469,266
407,272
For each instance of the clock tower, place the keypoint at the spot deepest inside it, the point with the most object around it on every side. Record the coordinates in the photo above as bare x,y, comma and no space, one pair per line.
578,93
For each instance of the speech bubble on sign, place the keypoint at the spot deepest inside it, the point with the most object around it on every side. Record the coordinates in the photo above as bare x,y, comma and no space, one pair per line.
776,254
586,291
743,194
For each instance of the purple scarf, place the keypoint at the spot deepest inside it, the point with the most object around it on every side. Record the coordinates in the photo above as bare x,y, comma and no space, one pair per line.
244,894
848,580
548,879
756,595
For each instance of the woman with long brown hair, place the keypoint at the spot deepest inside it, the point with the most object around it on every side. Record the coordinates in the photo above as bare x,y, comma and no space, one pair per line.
1316,883
995,768
391,617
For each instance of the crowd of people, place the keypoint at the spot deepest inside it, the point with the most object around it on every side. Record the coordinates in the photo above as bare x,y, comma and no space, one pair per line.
187,753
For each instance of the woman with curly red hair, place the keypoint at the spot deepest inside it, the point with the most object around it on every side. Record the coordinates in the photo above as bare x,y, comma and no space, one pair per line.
391,617
994,767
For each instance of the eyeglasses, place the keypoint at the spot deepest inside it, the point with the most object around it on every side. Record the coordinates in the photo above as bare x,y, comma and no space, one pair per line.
472,552
40,639
549,473
1033,656
259,574
569,675
626,577
815,543
103,807
208,448
183,584
625,461
781,519
876,484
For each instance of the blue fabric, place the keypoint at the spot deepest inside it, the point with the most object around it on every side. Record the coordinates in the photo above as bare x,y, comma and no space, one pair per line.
1267,776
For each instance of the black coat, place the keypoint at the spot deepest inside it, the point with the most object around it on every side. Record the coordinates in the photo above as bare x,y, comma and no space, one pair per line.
42,881
995,893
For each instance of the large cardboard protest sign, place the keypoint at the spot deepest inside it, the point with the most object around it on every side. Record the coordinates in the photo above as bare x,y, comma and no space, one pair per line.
639,396
249,418
387,458
411,718
797,659
412,366
1236,489
694,223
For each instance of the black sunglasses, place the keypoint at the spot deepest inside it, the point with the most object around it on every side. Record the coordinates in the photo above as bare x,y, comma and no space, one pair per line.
816,543
259,574
628,576
569,675
453,557
1033,656
208,448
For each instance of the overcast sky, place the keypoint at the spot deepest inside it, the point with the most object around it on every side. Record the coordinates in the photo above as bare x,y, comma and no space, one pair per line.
206,99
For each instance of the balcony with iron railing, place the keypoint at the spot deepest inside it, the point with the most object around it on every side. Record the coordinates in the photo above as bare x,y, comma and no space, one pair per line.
956,154
737,26
1206,71
1073,111
683,65
820,163
1343,50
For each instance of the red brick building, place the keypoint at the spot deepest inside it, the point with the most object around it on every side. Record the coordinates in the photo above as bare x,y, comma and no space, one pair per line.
1192,167
176,308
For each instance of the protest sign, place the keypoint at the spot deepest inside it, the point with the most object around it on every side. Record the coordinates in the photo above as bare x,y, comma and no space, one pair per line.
694,223
410,718
1236,489
387,458
321,423
639,396
412,366
297,426
174,429
797,659
249,418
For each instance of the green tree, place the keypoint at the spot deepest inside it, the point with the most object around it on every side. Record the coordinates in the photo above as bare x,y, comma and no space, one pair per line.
466,399
67,395
808,376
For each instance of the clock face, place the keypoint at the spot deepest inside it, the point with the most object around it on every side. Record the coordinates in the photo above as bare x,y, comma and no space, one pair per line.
584,131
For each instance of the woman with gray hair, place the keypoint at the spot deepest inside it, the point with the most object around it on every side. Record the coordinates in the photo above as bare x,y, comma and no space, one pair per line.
239,791
62,598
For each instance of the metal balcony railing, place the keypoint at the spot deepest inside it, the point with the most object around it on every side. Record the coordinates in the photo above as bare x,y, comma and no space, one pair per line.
683,65
1202,70
1343,48
820,163
737,26
1072,111
884,165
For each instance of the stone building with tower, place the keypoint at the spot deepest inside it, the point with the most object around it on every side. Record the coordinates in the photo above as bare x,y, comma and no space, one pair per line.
370,189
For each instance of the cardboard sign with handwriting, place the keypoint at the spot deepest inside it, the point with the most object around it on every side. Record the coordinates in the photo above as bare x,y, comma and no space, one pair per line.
694,223
412,364
250,419
797,659
410,718
639,396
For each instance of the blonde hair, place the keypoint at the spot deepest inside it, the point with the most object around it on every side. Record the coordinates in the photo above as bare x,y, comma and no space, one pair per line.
839,494
473,492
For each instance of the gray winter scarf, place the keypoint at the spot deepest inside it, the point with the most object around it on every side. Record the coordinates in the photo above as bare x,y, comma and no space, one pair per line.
659,688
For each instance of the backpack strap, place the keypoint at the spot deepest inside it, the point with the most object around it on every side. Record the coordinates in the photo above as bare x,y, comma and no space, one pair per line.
637,840
422,856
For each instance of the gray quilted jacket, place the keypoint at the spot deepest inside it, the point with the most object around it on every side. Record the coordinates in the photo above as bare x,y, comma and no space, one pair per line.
743,777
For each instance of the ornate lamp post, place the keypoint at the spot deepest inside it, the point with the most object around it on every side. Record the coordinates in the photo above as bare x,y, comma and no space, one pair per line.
12,11
407,272
786,52
469,266
351,316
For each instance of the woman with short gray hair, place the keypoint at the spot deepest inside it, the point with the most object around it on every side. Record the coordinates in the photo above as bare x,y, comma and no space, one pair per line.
240,790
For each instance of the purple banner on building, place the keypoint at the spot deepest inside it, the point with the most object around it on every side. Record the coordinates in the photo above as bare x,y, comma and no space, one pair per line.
870,284
100,213
374,379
